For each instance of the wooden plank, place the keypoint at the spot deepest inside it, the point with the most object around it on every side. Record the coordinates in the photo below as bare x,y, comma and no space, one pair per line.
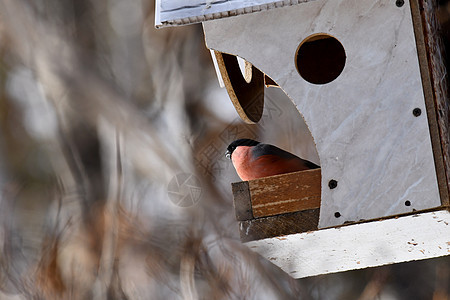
439,78
278,226
358,246
241,200
434,83
182,12
285,193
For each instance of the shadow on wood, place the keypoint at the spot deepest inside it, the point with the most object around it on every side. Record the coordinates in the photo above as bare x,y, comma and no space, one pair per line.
246,92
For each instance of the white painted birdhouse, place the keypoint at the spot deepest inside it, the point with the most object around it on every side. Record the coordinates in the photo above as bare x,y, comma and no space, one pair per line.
368,79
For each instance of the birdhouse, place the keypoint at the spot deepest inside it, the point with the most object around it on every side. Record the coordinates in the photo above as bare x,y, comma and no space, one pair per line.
368,79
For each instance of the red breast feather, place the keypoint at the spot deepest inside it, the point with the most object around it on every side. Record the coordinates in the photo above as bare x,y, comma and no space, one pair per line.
251,162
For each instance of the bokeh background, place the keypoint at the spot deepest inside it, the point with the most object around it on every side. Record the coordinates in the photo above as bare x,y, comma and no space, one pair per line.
113,179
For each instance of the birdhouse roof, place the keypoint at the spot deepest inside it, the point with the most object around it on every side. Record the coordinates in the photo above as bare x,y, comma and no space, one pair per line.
183,12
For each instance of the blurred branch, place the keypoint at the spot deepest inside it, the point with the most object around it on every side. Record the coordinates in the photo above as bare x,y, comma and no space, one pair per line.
69,81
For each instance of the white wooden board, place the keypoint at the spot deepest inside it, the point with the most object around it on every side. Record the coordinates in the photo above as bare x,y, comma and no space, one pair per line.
362,122
182,12
359,246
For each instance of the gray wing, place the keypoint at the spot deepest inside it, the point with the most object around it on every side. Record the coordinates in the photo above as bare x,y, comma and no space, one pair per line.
267,149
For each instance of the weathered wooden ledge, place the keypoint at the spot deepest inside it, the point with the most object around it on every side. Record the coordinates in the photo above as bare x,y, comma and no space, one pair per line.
278,205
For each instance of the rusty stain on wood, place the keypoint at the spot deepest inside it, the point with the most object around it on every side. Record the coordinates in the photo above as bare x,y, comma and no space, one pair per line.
285,193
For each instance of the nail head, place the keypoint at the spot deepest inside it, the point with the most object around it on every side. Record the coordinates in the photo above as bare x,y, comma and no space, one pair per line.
417,112
332,184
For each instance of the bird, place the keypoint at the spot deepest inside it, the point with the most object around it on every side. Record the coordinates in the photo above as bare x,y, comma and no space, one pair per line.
253,160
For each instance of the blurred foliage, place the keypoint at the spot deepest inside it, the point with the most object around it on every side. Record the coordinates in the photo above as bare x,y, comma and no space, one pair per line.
99,112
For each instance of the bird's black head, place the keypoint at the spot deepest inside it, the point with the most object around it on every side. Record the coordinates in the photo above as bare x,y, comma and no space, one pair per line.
241,142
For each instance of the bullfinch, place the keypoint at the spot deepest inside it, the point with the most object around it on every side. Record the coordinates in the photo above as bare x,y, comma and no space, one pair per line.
253,159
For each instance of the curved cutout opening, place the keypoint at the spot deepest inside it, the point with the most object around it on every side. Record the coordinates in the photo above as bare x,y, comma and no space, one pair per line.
289,119
292,198
320,58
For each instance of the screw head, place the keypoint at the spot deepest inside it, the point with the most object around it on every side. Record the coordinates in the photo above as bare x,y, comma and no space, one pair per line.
399,3
332,184
337,214
408,203
417,112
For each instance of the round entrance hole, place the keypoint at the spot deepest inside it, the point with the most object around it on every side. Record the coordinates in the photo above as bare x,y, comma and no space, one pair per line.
320,58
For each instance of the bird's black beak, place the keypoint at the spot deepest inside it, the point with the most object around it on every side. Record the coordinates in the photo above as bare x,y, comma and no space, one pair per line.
228,154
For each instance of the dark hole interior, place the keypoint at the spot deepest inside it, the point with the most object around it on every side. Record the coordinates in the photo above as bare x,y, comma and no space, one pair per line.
320,59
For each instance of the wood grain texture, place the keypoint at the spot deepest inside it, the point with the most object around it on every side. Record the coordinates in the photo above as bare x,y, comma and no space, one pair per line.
278,226
439,86
285,193
182,12
358,246
241,200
